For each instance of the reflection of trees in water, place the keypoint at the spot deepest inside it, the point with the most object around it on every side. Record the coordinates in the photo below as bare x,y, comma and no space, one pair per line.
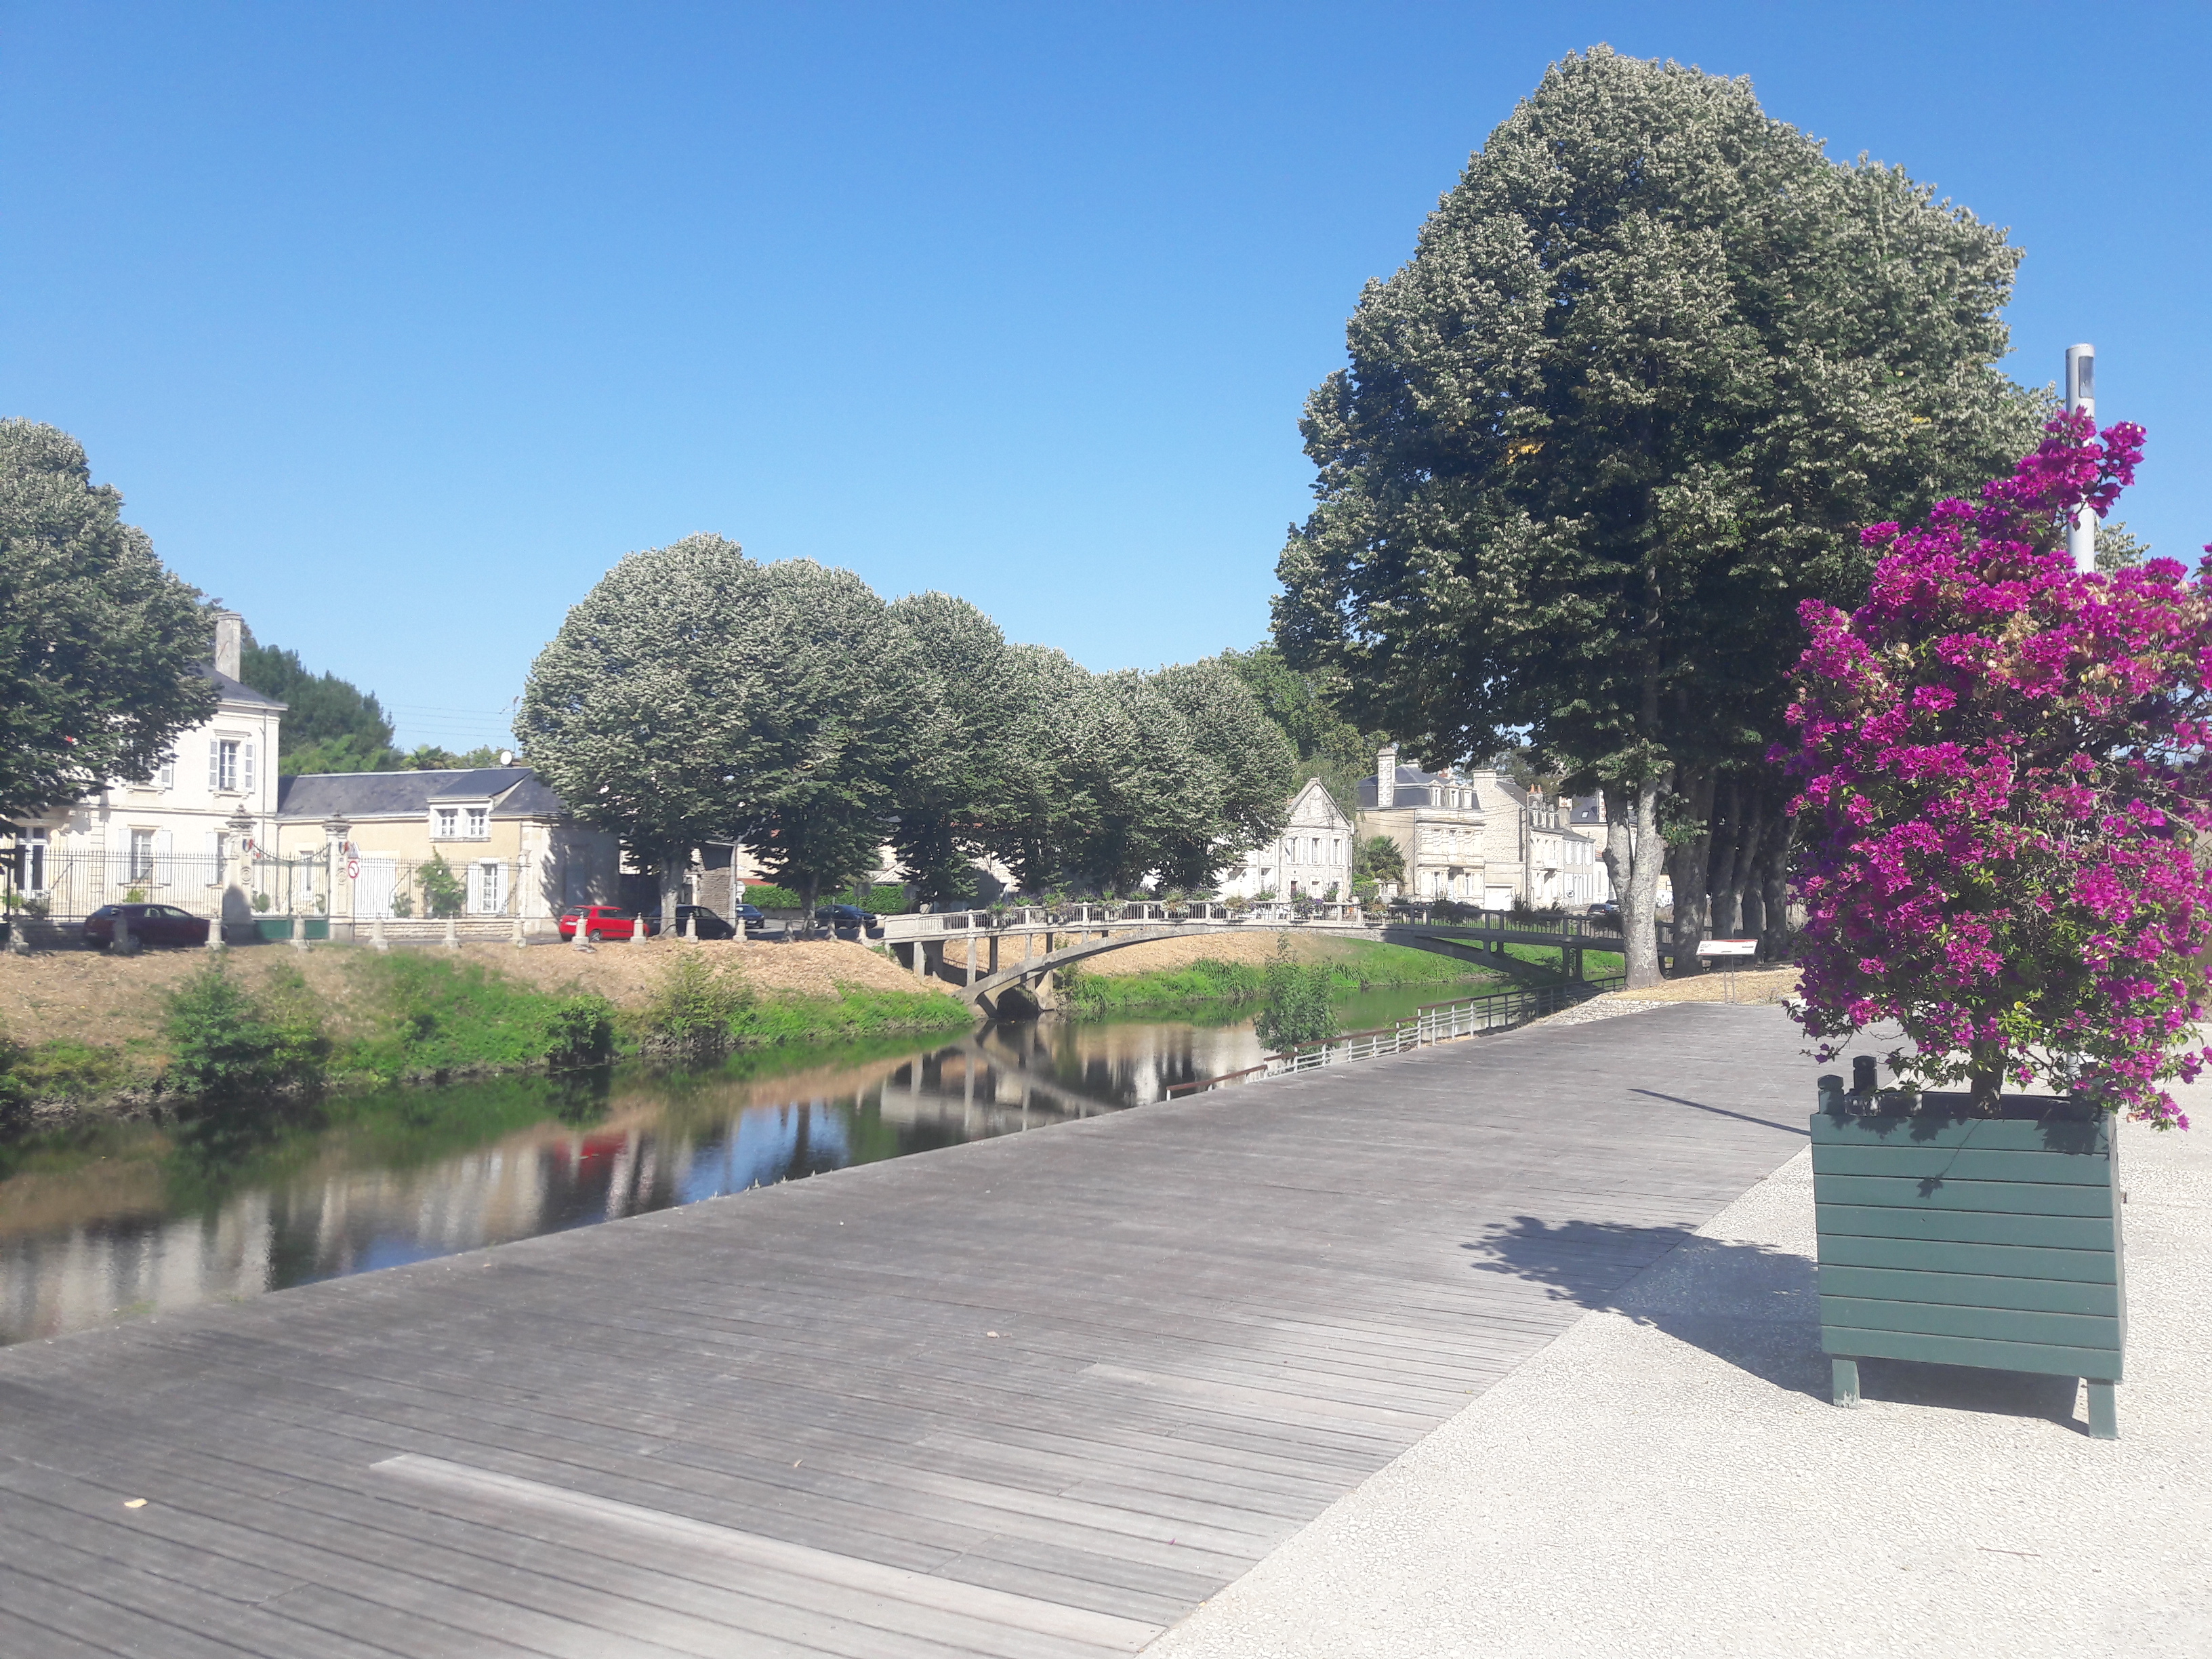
428,1173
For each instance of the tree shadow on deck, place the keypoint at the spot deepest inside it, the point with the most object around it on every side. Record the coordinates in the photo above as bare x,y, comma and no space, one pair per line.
1753,1305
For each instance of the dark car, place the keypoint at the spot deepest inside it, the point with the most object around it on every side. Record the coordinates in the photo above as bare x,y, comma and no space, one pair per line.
605,922
1607,913
698,922
844,915
149,924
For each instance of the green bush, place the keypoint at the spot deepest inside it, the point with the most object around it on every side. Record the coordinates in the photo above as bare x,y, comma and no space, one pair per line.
436,1014
444,892
1297,1008
580,1031
232,1054
692,1008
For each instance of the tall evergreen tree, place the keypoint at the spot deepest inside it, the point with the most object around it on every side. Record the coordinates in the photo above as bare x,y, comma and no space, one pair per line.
330,725
1654,360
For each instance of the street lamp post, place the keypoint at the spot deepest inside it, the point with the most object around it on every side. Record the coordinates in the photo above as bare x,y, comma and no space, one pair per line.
2081,397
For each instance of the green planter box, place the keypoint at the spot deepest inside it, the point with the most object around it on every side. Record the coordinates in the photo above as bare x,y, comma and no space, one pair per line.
1968,1240
273,929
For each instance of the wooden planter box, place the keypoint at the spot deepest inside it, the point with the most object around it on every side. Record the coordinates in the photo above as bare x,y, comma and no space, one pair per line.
1968,1240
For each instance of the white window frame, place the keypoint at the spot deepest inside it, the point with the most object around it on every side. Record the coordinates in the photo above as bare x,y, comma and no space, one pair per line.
445,823
143,853
476,823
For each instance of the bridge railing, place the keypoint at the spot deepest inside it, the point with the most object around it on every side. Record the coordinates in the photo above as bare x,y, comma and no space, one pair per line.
1434,1021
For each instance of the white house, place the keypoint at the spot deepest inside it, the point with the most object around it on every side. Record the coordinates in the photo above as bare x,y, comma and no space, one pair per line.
173,839
1311,859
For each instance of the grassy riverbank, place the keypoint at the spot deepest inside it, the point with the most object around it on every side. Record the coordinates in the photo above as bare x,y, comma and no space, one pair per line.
90,1035
1199,981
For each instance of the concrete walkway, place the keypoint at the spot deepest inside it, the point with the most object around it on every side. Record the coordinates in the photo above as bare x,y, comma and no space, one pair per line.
1668,1478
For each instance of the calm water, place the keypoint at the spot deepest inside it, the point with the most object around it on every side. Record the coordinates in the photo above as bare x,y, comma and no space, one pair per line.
135,1227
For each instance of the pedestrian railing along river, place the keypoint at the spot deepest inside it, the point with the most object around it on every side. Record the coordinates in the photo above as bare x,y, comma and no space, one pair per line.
1434,1021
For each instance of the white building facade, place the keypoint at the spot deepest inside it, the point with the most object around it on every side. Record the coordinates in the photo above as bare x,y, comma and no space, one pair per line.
180,837
1311,859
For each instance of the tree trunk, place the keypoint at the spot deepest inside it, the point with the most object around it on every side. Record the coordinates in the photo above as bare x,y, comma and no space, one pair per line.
1617,839
1743,878
1639,930
1728,838
673,862
1986,1081
1690,866
808,886
1774,938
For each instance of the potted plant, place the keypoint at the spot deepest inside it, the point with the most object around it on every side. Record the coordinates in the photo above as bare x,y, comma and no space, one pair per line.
2001,772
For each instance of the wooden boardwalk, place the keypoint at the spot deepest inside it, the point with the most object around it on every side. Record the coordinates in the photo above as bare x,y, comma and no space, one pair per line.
1033,1396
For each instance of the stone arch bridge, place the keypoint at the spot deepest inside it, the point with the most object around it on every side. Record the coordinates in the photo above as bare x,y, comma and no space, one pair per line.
1003,963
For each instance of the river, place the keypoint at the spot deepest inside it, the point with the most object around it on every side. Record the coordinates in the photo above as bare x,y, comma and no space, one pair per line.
131,1226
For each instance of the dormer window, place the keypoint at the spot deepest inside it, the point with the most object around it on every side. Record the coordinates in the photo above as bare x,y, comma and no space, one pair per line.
460,822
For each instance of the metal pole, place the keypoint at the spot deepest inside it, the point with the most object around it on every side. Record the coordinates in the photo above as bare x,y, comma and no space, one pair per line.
2081,397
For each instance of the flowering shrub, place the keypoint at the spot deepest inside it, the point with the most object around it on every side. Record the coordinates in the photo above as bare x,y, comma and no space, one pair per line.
2002,770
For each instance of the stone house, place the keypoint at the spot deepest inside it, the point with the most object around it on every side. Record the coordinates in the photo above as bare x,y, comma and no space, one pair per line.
1311,859
1476,837
357,845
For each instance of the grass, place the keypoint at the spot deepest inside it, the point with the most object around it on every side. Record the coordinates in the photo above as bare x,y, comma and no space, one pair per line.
413,1017
1362,965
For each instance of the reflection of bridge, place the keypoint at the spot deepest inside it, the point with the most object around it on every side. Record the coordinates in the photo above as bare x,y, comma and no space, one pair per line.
1003,961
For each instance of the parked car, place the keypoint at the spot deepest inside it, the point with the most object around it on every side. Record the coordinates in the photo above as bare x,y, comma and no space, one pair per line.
753,917
844,915
706,923
605,922
1608,911
150,924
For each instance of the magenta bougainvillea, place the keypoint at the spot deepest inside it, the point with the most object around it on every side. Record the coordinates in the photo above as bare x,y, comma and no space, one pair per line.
2004,773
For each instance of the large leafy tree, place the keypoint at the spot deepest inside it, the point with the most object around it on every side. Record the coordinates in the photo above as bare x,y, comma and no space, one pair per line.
639,712
1241,760
838,708
950,797
98,641
1044,785
1329,746
1653,357
330,725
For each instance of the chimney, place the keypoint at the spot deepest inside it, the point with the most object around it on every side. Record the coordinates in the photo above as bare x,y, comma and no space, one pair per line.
228,627
1386,776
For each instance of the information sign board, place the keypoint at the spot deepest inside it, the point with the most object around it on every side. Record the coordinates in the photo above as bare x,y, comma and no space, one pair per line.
1729,947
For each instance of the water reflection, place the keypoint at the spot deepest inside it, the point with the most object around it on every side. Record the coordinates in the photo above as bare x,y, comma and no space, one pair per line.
144,1229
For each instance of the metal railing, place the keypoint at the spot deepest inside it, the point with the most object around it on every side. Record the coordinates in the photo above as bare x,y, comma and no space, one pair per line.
1431,1023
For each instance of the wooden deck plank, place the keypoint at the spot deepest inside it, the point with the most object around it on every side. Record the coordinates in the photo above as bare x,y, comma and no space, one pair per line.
1216,1315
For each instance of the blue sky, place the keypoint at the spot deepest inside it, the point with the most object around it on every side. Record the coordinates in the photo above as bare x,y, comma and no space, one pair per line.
398,324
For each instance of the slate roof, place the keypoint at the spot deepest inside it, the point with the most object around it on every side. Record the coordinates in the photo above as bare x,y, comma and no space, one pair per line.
233,690
1412,780
514,792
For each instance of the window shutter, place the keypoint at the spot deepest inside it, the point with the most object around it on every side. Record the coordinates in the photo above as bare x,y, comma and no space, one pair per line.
476,888
246,751
215,762
164,851
497,874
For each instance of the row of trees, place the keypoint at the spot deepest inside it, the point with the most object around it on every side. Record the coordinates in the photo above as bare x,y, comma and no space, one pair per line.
1655,359
696,695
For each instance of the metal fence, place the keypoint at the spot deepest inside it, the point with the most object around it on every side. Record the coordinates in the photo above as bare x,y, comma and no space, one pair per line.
1434,1021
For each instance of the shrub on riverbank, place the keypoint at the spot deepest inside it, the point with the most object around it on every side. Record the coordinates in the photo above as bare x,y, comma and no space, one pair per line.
422,1015
236,1059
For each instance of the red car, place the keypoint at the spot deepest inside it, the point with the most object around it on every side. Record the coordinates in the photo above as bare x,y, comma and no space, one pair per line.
150,924
605,922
